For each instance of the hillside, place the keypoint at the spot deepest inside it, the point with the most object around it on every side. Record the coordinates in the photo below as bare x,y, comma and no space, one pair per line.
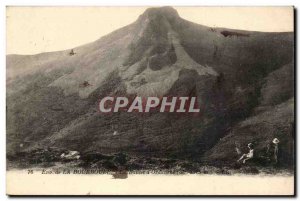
244,81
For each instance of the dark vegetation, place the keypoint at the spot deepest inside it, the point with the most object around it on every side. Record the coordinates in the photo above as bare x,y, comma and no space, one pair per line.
233,33
123,163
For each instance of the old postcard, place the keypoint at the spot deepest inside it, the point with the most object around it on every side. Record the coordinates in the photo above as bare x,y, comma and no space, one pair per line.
150,101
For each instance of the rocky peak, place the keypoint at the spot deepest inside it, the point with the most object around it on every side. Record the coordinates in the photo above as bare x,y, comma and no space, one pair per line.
167,12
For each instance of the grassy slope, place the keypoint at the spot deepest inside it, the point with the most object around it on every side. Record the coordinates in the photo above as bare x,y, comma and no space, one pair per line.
46,106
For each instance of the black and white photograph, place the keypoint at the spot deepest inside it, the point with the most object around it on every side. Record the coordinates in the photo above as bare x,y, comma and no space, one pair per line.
101,100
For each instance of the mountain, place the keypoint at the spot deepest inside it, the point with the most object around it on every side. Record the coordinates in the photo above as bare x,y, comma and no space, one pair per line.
243,79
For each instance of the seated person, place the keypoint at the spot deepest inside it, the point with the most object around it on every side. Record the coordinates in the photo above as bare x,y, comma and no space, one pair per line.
249,155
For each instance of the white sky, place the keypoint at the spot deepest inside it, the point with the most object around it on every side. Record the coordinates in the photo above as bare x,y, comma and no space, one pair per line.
32,30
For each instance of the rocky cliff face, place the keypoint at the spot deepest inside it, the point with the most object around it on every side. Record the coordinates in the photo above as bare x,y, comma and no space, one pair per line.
243,79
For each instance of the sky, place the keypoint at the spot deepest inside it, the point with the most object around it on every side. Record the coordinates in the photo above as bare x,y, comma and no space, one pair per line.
33,30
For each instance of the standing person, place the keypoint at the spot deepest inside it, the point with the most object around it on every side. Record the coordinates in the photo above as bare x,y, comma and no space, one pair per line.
269,152
249,155
275,142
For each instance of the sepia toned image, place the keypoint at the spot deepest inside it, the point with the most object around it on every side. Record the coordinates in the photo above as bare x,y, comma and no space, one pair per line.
150,101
